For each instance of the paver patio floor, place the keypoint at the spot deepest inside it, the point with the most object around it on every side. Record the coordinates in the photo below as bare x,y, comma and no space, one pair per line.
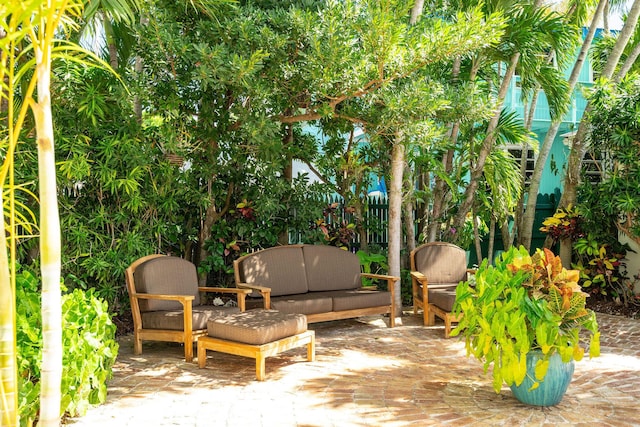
365,374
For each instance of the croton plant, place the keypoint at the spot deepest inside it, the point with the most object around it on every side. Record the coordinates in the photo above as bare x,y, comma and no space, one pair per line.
520,304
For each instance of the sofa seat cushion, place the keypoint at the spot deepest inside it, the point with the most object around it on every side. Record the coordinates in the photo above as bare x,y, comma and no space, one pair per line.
309,303
174,319
443,298
329,268
256,327
359,298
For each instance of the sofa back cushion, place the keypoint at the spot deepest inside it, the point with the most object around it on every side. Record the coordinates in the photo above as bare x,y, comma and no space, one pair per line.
280,268
441,262
166,275
330,268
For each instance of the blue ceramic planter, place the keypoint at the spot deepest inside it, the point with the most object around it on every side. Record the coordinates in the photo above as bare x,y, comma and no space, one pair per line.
554,386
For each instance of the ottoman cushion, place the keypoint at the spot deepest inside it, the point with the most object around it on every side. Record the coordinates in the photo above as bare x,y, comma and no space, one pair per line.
256,327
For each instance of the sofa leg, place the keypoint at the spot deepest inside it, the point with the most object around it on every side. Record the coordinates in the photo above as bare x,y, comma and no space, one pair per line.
260,367
202,356
188,351
311,349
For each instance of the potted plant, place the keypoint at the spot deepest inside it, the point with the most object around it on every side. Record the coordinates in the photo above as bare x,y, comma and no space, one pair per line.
526,316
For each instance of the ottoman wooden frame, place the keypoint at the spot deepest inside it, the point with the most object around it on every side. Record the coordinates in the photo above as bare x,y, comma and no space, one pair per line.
257,352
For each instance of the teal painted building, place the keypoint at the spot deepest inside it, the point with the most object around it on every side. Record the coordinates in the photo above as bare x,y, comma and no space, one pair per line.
553,170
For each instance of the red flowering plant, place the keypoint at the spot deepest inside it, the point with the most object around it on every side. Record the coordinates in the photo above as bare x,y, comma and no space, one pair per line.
335,229
564,224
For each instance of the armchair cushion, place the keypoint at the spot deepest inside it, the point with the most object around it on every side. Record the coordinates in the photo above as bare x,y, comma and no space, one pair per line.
166,275
174,319
443,298
441,263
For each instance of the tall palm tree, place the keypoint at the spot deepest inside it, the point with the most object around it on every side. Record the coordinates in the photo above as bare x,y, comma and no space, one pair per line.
115,20
579,144
43,26
532,31
526,225
14,113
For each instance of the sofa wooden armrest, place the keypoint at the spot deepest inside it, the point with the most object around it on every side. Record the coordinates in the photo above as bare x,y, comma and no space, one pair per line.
263,290
391,280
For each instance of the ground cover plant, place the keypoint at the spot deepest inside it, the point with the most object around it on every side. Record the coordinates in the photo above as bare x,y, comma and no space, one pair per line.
88,343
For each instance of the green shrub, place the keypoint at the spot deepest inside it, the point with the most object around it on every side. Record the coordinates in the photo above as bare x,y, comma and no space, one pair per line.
89,349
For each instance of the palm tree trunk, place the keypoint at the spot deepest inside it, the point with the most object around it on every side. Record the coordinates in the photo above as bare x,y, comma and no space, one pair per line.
525,232
50,246
579,144
487,146
111,42
8,367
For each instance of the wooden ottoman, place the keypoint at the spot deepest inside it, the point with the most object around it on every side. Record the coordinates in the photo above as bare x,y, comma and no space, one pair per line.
257,334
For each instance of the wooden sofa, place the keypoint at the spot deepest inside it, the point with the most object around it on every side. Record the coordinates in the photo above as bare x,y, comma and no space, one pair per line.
322,282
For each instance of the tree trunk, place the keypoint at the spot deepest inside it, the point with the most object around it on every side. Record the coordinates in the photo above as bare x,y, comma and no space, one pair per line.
50,245
111,42
409,222
440,197
525,232
287,175
440,187
137,69
476,236
395,216
8,364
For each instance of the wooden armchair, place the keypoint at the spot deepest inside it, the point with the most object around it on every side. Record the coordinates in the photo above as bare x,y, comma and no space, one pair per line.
165,302
436,269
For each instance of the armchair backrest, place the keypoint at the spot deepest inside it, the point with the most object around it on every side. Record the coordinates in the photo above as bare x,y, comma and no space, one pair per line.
166,275
440,262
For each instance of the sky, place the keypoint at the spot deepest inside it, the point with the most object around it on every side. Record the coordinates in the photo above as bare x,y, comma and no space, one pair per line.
615,22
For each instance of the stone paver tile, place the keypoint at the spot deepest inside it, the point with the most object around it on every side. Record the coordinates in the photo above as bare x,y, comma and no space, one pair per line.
365,374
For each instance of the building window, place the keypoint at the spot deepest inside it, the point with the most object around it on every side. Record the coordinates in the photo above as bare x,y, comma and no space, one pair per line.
516,152
594,166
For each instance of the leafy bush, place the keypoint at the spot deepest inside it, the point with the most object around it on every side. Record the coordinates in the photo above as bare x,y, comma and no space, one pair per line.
601,268
89,349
